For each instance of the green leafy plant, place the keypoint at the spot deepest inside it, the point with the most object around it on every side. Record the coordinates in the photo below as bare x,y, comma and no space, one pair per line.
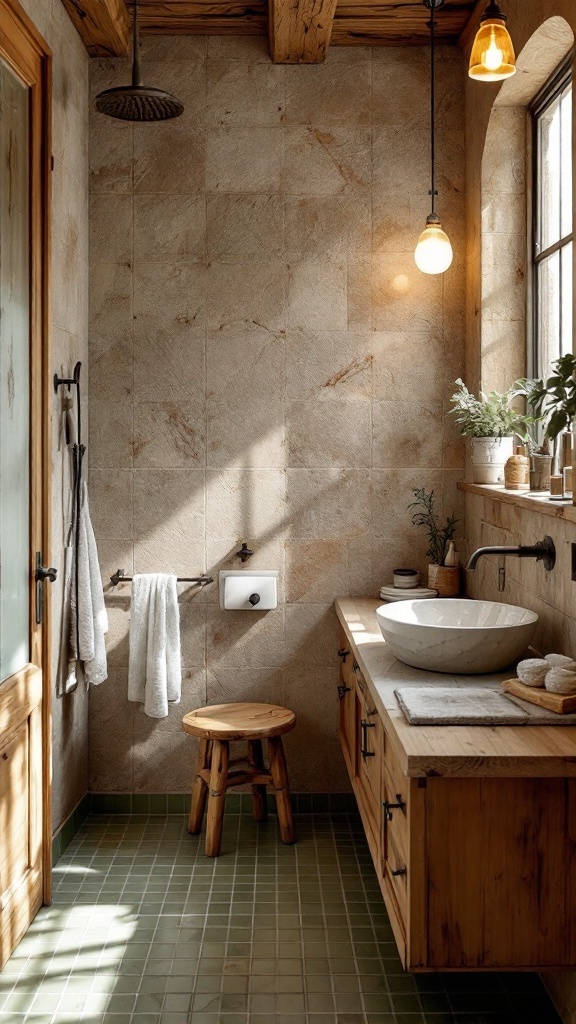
490,415
553,400
425,515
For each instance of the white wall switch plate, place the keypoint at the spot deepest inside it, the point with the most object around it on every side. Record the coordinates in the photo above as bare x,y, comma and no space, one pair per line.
248,591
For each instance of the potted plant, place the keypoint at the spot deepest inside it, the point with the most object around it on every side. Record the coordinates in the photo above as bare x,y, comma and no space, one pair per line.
554,402
443,578
491,422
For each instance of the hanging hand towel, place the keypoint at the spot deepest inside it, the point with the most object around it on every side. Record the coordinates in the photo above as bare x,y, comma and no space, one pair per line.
155,671
87,639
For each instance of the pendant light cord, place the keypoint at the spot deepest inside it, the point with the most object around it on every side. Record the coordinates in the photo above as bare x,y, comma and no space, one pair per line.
136,78
432,112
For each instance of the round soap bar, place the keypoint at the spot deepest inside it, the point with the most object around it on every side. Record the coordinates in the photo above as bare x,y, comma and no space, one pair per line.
533,671
558,660
562,680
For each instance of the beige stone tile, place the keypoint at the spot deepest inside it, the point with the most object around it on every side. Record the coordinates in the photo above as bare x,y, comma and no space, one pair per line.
400,160
115,554
245,359
250,292
359,296
192,629
453,444
107,73
169,435
327,228
111,503
244,225
451,162
68,290
245,505
326,95
329,431
182,149
110,443
407,434
185,79
164,756
402,297
243,48
169,227
317,296
111,228
111,155
110,302
327,504
398,218
401,94
245,93
312,749
336,361
111,735
173,48
413,366
392,490
245,160
245,435
177,287
245,639
69,214
117,637
327,161
322,570
169,521
258,685
169,359
110,367
311,634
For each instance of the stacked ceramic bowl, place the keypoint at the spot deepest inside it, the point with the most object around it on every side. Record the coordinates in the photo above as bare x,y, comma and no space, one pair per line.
405,587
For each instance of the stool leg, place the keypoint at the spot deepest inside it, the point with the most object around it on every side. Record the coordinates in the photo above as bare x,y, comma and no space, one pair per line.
279,773
199,790
217,796
259,802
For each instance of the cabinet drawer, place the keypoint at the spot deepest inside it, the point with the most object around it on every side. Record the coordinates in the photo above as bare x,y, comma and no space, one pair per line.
396,878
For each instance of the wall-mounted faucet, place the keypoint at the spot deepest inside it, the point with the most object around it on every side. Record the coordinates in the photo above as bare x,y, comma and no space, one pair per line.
544,551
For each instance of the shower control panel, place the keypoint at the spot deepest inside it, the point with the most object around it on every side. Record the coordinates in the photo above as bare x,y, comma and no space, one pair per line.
248,591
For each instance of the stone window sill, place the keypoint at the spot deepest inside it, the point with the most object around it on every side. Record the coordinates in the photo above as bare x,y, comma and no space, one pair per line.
530,500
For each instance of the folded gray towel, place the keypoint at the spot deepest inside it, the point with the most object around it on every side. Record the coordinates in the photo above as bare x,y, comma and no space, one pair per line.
454,705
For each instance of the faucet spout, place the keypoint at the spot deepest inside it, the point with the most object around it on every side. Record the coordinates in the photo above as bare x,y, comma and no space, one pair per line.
544,551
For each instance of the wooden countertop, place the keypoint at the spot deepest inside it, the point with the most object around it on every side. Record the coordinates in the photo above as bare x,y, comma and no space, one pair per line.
460,750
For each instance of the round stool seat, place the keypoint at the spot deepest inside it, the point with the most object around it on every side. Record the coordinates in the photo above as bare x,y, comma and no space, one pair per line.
239,721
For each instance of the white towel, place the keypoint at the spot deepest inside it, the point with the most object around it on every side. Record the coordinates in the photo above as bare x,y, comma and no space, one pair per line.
91,611
155,671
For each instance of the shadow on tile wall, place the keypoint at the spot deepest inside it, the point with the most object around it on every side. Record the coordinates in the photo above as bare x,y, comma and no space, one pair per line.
266,365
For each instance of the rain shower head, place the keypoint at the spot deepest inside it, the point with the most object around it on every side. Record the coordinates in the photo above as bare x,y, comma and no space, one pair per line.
138,102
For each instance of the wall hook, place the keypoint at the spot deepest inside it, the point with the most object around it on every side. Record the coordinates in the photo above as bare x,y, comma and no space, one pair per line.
245,552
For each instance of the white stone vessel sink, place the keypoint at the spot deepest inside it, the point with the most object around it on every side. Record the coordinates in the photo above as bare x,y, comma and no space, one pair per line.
456,636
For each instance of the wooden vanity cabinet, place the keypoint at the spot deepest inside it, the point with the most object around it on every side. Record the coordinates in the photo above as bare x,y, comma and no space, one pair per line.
476,872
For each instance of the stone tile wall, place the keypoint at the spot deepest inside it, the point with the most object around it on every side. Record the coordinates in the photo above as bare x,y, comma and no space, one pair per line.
69,295
267,365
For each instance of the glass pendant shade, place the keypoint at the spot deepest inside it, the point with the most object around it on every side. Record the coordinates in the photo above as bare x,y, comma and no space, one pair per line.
492,58
433,253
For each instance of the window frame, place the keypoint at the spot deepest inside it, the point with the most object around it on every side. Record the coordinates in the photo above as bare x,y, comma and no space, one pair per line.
550,91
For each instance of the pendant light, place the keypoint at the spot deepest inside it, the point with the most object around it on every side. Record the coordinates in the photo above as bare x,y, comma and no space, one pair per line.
433,253
492,58
138,102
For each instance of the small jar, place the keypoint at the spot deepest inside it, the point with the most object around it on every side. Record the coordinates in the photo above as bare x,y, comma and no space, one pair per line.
556,485
517,470
568,486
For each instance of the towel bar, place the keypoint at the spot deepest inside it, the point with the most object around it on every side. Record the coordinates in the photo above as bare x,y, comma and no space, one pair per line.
202,581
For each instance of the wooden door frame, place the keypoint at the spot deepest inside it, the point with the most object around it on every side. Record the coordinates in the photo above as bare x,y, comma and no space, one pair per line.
24,49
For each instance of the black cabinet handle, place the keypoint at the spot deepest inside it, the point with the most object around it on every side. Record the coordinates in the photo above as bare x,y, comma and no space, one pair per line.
343,654
399,871
389,807
363,750
342,690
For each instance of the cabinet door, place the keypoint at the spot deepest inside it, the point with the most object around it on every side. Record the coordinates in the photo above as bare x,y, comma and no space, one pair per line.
347,697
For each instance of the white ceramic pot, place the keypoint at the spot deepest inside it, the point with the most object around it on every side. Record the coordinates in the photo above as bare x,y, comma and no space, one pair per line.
489,455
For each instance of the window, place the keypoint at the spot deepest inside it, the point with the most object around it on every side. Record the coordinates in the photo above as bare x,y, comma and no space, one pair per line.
552,221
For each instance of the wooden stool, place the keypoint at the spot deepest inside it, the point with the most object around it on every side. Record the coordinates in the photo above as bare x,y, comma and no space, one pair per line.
215,772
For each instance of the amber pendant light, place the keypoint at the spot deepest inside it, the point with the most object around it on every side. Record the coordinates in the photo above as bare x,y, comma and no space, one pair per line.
433,254
492,58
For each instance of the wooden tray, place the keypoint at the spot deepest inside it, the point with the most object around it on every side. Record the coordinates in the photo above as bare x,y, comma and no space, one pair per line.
543,698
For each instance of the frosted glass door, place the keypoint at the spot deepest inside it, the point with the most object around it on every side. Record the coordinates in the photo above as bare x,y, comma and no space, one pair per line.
14,375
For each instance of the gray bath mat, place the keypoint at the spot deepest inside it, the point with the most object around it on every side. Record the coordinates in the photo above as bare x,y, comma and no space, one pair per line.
453,705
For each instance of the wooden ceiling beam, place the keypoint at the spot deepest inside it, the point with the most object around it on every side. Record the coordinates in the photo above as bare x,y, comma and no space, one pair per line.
300,30
471,26
103,25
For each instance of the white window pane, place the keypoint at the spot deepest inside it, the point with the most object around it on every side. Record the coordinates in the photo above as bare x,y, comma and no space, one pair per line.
14,375
566,259
566,172
549,312
550,166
